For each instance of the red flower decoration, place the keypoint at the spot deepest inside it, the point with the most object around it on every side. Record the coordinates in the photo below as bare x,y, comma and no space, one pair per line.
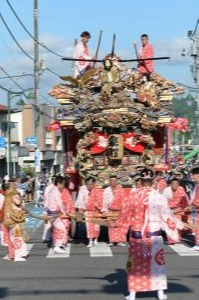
53,126
179,124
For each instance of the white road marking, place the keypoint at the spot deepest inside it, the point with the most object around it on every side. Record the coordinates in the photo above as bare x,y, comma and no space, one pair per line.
183,250
100,251
29,247
51,253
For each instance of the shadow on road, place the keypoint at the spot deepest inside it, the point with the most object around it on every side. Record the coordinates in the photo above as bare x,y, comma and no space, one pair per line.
3,292
118,285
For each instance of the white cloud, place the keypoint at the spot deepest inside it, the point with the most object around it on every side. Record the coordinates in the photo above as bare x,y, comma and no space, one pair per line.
173,48
19,63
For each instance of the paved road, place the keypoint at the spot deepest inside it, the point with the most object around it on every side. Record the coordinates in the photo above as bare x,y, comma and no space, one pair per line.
84,274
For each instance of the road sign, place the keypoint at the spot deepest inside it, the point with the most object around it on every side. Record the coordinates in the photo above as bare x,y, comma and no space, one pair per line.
31,140
14,155
38,161
2,142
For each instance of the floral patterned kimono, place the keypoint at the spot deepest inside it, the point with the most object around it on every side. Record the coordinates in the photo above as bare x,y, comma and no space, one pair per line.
195,201
148,215
93,208
14,221
116,201
91,202
69,208
54,205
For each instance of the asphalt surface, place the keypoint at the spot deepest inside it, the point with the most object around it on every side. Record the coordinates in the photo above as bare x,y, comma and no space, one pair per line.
82,277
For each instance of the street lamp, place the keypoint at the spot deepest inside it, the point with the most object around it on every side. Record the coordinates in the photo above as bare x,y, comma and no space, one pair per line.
190,99
10,95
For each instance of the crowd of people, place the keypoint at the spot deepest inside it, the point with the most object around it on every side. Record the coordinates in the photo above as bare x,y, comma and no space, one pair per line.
156,203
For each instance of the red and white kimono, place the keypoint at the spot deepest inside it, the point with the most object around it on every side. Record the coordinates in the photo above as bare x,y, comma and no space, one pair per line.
69,209
47,233
177,201
81,52
54,205
148,215
91,203
17,248
94,206
82,198
147,66
116,201
195,201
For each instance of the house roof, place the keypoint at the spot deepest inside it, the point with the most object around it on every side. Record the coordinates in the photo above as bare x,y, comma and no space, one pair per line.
3,107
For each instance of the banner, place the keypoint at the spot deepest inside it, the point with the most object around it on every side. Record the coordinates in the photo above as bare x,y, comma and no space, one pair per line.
132,143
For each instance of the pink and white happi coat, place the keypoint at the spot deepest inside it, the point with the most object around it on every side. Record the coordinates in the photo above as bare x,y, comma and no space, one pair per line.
147,66
53,205
81,52
91,202
116,201
69,209
149,213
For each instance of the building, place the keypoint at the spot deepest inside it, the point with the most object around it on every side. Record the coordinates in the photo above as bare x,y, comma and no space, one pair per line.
49,143
22,130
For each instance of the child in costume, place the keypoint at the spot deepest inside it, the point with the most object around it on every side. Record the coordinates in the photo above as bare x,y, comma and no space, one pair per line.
14,220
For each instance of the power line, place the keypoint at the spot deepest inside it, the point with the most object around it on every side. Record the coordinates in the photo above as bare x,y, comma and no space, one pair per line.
22,92
13,37
4,71
16,76
15,40
196,27
188,87
48,100
28,32
52,72
11,78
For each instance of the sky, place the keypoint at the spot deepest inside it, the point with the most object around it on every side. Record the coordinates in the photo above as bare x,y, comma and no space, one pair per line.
61,22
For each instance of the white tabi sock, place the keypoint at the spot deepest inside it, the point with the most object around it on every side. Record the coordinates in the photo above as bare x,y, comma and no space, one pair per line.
90,243
162,295
96,242
131,296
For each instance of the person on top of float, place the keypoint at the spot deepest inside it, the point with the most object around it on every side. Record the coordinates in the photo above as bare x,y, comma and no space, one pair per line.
146,67
82,52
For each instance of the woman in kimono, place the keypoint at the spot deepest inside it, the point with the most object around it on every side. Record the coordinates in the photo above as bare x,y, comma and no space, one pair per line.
148,215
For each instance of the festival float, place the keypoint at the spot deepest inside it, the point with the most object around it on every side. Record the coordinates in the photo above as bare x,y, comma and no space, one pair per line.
114,120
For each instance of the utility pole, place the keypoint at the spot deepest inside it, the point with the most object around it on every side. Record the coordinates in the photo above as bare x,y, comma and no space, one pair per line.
36,70
36,122
194,36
